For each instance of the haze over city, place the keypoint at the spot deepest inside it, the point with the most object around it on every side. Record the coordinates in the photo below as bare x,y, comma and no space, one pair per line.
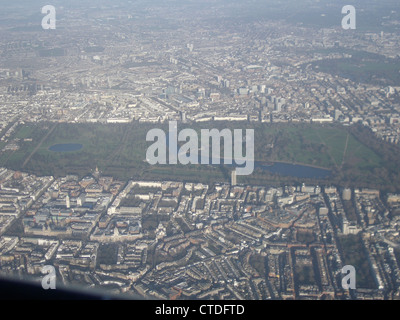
217,150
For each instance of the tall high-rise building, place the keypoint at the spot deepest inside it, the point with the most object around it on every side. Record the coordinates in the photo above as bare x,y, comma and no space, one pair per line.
346,194
345,227
67,202
80,200
337,114
19,73
183,116
233,177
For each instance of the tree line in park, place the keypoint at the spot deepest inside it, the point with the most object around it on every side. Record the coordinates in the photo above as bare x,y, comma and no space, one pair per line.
387,176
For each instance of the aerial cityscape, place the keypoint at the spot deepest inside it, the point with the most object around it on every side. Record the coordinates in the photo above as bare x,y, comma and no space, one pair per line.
80,98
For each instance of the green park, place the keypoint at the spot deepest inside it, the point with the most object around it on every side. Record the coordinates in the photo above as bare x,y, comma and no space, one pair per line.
353,154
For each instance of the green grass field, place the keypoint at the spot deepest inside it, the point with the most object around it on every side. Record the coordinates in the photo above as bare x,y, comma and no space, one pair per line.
120,150
371,71
354,254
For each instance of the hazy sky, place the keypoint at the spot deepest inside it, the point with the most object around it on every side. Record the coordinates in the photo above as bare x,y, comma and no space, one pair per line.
319,13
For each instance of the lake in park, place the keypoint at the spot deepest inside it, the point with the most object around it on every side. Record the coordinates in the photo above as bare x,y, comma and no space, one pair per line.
66,147
295,170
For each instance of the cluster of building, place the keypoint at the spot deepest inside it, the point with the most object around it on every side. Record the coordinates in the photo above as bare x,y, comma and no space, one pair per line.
171,240
261,73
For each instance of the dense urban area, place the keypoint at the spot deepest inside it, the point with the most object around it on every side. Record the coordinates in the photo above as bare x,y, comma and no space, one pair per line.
130,63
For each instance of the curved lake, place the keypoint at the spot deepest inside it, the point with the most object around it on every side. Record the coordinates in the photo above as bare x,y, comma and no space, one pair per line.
291,170
295,170
282,168
66,147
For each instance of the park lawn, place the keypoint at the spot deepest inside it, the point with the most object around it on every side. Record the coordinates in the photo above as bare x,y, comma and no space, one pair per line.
25,132
330,142
366,158
354,254
120,150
